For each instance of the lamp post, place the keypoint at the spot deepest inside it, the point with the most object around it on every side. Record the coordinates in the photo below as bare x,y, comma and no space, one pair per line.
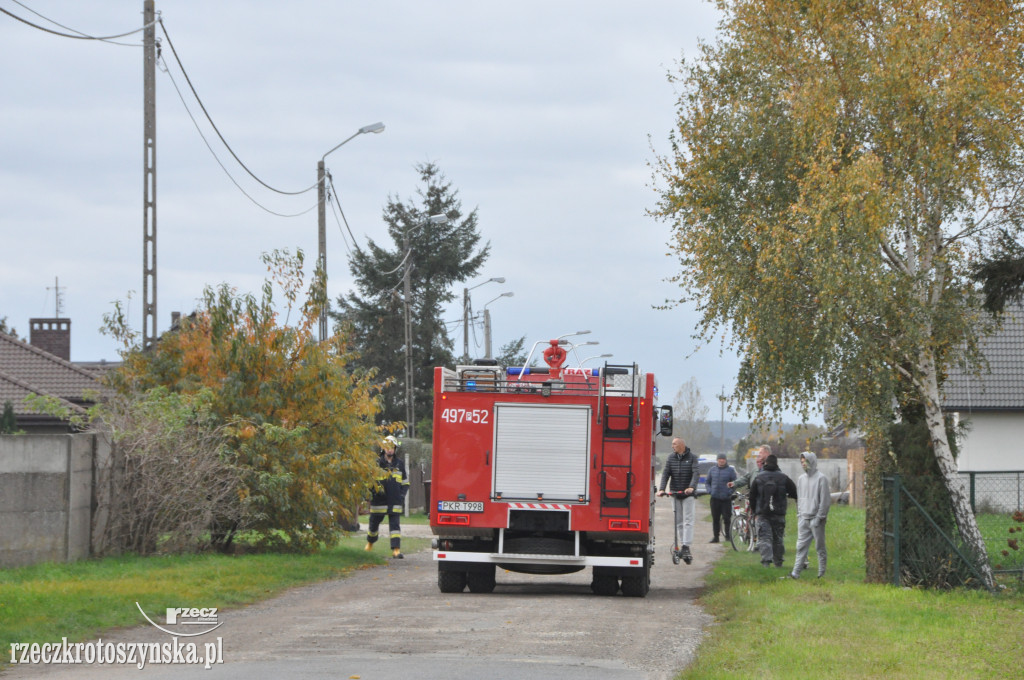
487,324
322,217
466,315
596,356
410,404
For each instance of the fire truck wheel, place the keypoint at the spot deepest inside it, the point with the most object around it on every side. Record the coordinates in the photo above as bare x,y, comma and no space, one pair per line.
604,585
451,581
481,582
635,586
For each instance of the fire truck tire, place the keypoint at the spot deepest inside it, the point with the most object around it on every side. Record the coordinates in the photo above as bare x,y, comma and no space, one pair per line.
635,586
604,584
638,585
451,581
481,581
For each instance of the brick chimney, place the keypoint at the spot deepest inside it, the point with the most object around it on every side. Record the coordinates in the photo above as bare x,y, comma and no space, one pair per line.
51,335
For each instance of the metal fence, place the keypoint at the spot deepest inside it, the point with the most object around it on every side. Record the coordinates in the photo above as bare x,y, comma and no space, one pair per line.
995,492
923,544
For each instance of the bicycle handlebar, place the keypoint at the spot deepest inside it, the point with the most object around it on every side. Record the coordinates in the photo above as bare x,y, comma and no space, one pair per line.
696,492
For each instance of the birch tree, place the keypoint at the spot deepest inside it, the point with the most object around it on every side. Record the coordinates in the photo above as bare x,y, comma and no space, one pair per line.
691,415
836,168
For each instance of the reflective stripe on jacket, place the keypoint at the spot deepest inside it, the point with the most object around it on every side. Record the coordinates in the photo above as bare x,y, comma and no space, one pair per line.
392,483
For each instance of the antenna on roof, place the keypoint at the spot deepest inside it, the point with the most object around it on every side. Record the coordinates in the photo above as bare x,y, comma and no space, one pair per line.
58,300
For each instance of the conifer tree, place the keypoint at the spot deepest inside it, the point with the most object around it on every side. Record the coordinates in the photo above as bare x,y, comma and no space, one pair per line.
439,255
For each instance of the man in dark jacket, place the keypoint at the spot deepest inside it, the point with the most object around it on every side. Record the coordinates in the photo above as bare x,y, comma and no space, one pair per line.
717,484
768,493
681,468
388,497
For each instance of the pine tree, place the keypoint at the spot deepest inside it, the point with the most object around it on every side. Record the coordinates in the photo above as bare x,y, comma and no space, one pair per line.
439,256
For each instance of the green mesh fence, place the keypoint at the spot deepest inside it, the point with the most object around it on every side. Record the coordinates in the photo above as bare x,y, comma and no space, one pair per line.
997,499
923,544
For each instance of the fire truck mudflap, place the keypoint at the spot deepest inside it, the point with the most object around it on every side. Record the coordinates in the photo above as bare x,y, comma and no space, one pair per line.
545,471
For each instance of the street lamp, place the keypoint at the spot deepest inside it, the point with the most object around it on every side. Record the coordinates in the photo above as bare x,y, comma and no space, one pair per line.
572,347
410,405
322,217
466,315
487,324
596,356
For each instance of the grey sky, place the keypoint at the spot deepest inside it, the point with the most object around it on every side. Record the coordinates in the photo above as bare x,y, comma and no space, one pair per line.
544,115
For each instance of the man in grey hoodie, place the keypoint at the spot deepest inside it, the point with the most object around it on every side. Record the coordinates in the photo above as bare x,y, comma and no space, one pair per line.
813,500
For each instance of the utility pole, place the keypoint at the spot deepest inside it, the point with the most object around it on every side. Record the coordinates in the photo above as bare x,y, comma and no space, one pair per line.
321,211
487,334
465,325
149,177
721,433
410,406
410,396
321,214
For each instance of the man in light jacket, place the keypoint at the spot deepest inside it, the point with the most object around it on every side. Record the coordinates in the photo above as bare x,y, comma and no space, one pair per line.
814,497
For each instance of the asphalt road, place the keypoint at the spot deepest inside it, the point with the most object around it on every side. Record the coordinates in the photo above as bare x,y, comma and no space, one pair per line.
393,622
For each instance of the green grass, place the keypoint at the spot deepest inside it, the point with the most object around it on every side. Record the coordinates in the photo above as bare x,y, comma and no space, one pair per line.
995,529
764,627
80,600
840,627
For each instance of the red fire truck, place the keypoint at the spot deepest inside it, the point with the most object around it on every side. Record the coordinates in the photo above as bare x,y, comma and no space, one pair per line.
545,470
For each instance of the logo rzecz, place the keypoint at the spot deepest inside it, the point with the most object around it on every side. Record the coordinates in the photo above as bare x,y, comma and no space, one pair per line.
204,618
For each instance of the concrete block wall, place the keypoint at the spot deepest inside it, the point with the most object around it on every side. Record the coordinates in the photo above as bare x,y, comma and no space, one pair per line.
46,497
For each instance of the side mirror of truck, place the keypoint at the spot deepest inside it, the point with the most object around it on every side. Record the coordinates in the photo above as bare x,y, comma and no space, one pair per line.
665,421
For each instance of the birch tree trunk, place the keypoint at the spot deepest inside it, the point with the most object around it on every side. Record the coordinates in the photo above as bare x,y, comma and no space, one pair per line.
965,519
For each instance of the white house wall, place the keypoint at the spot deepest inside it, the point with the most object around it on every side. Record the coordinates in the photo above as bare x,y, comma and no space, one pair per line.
994,441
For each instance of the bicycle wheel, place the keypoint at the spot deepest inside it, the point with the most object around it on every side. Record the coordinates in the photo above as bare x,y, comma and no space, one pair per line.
735,532
739,532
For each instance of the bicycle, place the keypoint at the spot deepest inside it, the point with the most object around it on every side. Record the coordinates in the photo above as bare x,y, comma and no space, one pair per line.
741,526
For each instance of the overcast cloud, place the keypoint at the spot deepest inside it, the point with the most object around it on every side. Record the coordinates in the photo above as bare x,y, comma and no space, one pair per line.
542,114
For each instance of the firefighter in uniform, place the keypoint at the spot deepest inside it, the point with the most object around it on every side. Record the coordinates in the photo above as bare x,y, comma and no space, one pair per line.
388,497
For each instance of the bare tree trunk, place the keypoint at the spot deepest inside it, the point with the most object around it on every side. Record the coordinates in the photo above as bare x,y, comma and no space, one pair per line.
965,519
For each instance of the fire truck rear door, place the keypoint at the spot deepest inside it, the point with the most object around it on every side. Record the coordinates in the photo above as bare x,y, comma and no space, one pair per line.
541,451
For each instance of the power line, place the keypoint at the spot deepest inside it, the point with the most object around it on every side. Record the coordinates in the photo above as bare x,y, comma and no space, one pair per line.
217,158
355,244
214,125
84,36
335,209
80,36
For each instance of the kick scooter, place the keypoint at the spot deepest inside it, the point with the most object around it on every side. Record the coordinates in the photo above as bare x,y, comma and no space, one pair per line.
679,553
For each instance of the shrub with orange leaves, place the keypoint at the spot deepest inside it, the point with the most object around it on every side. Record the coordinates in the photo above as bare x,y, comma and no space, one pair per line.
299,420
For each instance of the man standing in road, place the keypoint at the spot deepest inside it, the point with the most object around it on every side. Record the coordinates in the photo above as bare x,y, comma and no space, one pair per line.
717,484
681,467
814,497
388,497
768,493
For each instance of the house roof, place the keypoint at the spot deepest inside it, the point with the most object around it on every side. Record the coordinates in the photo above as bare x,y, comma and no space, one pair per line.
15,390
26,369
1001,387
